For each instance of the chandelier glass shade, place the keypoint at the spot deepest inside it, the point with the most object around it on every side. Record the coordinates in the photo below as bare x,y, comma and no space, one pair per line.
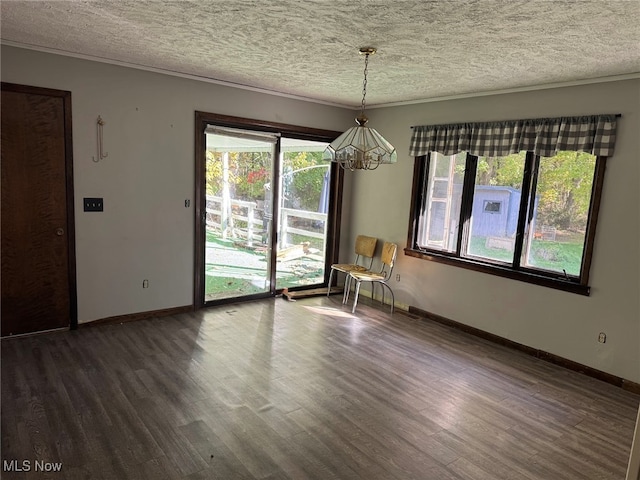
361,147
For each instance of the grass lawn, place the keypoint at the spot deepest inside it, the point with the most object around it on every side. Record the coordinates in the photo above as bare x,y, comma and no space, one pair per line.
557,256
233,269
224,286
553,256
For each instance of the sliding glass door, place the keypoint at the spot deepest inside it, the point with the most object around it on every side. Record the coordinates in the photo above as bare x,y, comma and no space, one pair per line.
267,212
239,174
305,190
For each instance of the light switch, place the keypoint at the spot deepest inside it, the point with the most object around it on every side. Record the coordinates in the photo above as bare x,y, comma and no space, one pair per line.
93,204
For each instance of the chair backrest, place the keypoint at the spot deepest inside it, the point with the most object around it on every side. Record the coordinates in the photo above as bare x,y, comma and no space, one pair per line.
366,246
388,258
365,250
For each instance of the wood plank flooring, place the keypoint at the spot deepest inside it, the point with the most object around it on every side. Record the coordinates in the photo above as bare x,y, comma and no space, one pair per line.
281,390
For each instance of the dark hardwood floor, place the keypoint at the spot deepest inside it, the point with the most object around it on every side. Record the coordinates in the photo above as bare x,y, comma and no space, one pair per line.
282,390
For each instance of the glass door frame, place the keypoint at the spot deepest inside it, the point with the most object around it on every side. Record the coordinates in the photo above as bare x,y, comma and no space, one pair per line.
202,121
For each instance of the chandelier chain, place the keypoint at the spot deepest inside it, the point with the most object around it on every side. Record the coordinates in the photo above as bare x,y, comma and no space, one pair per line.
361,147
364,83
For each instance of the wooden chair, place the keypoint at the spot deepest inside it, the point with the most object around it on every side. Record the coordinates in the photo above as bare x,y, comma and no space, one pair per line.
365,249
388,258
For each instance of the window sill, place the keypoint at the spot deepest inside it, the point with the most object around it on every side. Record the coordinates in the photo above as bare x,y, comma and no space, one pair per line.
523,276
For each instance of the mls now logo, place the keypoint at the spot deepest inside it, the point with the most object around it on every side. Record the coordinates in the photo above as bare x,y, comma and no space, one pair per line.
27,466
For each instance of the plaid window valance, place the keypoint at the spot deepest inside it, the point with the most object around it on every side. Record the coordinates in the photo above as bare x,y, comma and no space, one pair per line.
595,134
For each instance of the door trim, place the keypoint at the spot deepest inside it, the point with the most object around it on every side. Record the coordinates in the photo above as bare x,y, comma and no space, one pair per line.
70,209
202,119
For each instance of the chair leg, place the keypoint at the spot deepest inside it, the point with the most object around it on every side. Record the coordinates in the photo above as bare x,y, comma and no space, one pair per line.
393,300
347,288
355,300
330,279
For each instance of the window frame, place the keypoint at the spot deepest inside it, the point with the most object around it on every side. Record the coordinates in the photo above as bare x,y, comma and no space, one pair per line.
574,284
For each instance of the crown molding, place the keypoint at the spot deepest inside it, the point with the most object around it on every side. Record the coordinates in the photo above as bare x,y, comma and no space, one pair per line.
371,106
172,73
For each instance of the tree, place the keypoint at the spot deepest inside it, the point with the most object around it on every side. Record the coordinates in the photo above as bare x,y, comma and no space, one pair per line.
250,171
504,171
213,173
305,184
564,189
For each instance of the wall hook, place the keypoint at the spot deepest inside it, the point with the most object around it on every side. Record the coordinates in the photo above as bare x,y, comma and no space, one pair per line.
101,153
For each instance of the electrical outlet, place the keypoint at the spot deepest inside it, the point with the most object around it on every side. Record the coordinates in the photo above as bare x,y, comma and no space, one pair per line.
145,283
397,277
602,337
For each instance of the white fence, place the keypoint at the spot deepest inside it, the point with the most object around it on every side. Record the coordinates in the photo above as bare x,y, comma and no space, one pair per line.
247,222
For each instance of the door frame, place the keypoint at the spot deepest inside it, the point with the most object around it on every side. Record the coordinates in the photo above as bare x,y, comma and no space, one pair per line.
70,210
202,119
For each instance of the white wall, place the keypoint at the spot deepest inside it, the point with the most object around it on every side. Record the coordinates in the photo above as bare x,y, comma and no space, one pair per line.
562,323
145,231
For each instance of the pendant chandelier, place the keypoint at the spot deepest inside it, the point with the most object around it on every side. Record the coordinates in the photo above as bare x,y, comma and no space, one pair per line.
361,147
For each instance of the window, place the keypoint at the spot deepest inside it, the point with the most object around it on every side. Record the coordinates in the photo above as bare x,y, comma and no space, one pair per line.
522,213
498,180
492,207
439,228
528,214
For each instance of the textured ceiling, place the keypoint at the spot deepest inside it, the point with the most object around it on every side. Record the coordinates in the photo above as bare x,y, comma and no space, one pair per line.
308,48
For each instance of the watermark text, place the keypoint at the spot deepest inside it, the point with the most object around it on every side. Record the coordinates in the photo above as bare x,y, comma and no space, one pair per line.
30,466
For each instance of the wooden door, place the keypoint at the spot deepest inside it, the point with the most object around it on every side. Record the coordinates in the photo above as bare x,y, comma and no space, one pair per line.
38,252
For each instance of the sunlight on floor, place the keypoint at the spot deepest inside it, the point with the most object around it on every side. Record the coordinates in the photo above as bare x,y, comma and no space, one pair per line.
333,312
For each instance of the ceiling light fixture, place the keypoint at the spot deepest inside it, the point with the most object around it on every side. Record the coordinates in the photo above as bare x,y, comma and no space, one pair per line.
361,147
